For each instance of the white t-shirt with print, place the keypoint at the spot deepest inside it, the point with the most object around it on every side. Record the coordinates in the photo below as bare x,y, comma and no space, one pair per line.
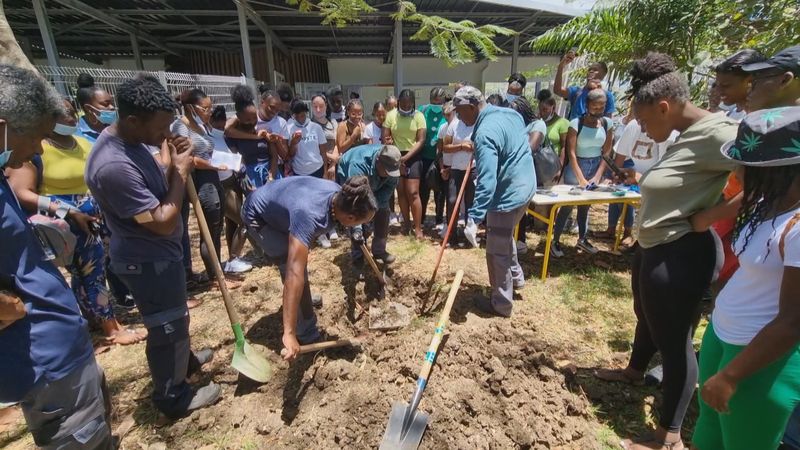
274,126
308,159
447,158
460,133
750,299
639,148
373,133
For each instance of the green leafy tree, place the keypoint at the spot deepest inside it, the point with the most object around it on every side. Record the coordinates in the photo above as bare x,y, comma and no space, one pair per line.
696,33
452,42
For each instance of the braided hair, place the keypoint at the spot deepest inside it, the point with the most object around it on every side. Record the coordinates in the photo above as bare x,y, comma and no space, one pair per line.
523,107
356,198
655,77
764,188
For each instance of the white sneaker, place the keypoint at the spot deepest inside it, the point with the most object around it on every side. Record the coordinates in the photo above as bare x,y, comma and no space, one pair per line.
237,265
522,248
394,219
323,241
440,226
333,235
555,250
442,232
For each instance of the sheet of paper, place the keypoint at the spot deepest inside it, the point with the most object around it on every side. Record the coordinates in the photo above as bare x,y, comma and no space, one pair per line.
232,161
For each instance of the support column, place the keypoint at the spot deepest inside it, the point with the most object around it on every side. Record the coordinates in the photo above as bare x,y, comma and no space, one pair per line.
49,43
515,54
270,61
246,55
137,53
398,56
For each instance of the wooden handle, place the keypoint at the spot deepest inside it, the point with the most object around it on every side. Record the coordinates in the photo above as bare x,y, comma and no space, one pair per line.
450,225
206,235
444,317
372,263
325,345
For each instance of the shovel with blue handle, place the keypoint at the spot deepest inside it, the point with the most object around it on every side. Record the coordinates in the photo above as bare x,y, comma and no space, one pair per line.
406,423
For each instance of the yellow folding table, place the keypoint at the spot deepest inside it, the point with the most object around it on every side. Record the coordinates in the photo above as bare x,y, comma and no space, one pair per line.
561,197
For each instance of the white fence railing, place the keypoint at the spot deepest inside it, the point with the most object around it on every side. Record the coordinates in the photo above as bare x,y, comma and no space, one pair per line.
215,86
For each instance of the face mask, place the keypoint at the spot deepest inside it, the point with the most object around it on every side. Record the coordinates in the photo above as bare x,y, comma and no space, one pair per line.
106,117
64,130
216,133
405,113
511,97
301,124
549,117
319,114
197,118
437,109
6,155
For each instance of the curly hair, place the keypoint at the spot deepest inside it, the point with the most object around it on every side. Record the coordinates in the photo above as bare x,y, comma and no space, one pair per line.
764,187
655,77
26,99
299,106
218,114
356,197
546,96
242,97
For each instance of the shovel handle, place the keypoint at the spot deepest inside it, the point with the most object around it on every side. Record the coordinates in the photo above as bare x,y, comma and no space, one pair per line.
450,225
206,235
324,346
444,317
372,263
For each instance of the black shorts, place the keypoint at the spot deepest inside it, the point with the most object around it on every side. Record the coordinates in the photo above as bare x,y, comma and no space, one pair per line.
416,168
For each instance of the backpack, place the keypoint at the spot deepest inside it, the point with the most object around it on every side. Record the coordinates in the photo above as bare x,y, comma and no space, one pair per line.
546,163
782,243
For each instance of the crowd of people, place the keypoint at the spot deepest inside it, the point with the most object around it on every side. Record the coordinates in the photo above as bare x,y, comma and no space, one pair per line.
719,204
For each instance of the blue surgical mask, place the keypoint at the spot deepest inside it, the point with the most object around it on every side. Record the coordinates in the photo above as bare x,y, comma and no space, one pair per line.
405,113
511,97
105,116
64,130
6,155
302,124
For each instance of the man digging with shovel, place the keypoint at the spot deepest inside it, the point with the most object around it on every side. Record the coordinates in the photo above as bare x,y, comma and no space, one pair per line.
381,165
284,217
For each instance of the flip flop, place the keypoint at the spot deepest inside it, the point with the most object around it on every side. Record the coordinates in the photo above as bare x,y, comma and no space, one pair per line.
617,376
136,336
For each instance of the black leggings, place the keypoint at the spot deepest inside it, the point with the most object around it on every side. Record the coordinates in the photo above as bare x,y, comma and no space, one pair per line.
456,179
668,283
209,191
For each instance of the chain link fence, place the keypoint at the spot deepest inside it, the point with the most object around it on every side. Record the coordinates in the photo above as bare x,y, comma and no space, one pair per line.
218,87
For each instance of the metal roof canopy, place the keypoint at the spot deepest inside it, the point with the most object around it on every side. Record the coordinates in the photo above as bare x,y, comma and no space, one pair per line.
92,29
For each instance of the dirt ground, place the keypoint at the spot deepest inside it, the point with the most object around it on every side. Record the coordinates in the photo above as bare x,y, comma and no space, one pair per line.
519,383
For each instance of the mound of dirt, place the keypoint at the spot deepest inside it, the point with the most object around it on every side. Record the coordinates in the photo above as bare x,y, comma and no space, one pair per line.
493,385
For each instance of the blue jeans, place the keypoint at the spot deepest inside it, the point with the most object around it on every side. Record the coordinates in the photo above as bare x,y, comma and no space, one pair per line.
615,209
588,167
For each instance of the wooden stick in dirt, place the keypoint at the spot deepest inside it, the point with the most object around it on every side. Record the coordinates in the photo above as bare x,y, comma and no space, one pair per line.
325,345
453,221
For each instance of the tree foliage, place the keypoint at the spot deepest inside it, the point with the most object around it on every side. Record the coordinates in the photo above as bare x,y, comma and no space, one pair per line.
696,33
452,42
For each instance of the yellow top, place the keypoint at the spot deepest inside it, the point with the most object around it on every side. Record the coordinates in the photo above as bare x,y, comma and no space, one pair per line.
404,129
64,168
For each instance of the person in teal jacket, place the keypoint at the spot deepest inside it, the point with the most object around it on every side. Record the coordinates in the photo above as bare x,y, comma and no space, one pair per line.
381,164
506,182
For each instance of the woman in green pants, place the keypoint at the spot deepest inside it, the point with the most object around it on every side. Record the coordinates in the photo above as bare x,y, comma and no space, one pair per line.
749,360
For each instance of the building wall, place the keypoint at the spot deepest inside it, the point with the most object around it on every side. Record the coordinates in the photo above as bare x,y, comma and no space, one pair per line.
427,71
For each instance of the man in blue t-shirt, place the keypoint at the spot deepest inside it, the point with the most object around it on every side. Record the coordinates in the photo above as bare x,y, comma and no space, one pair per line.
142,208
46,359
576,95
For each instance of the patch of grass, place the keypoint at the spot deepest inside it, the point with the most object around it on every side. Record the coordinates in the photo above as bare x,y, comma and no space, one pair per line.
607,438
407,248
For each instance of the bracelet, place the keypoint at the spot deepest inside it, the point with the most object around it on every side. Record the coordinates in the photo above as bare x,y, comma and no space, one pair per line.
43,204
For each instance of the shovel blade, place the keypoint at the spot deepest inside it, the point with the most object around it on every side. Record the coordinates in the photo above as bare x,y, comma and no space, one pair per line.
251,363
398,437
